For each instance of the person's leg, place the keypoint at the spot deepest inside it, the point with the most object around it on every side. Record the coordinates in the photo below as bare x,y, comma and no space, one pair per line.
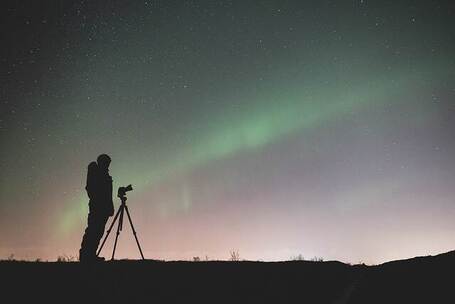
87,250
101,225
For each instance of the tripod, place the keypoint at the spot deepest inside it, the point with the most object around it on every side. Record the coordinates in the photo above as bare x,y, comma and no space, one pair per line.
119,216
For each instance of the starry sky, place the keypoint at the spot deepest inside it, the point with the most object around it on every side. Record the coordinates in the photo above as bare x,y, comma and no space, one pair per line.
272,128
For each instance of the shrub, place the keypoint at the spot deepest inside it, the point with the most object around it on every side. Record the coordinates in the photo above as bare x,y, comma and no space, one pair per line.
235,257
65,258
298,258
317,259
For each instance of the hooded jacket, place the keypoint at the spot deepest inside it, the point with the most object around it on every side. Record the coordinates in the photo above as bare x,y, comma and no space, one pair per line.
99,190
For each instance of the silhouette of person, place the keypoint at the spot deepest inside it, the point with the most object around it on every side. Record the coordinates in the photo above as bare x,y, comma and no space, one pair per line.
101,207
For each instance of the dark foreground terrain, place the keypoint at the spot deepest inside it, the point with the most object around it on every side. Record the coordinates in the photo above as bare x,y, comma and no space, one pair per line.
418,280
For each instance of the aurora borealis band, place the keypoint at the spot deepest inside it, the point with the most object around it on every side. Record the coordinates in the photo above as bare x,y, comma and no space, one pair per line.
273,128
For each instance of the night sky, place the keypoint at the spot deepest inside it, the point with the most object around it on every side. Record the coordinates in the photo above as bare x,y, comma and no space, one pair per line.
274,128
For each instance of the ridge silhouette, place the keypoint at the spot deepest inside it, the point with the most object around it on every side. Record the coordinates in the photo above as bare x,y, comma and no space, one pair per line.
418,280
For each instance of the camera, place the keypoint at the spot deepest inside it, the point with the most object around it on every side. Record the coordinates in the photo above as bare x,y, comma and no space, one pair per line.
123,190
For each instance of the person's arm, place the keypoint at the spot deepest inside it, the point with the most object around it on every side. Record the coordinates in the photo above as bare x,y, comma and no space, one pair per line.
110,202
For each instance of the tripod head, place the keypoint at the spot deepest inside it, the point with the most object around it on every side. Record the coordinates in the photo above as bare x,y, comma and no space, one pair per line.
121,193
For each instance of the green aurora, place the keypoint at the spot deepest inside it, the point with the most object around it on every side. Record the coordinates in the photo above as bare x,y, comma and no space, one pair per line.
258,127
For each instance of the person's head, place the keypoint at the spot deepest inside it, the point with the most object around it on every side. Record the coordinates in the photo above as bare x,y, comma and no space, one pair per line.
103,161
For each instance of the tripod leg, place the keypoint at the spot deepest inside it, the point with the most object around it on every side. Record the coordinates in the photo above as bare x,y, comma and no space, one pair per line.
134,231
121,220
118,230
108,231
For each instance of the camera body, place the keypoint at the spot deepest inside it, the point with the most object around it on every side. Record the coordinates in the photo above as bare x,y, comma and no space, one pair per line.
123,190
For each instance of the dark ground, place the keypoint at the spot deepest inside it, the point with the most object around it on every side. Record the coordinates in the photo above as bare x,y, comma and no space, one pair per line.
418,280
